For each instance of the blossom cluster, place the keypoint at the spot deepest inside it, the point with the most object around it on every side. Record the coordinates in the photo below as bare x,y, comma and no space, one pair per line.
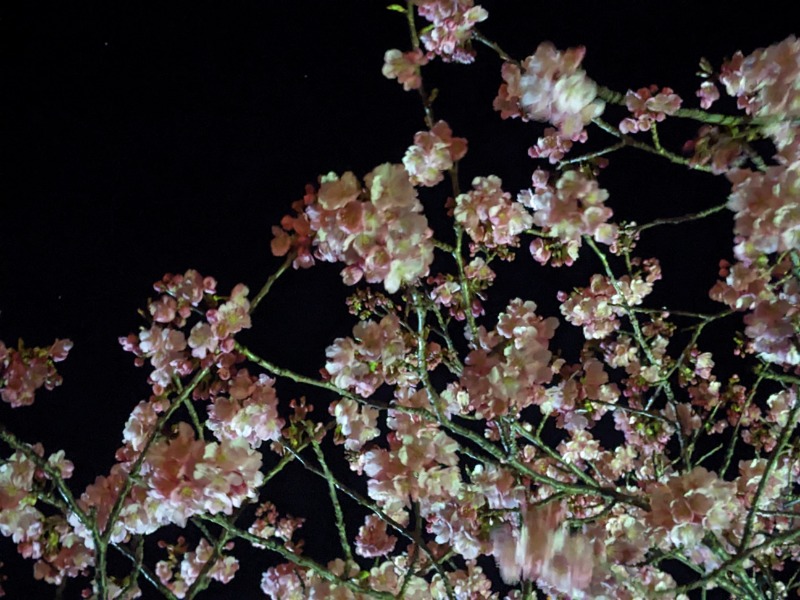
767,207
447,290
450,32
495,445
598,307
191,564
378,230
550,87
50,541
25,370
166,346
506,370
573,207
648,105
770,300
489,215
767,84
686,507
376,354
433,152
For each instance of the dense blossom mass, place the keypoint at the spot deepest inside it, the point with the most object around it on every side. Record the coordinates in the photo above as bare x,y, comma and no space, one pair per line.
550,87
466,448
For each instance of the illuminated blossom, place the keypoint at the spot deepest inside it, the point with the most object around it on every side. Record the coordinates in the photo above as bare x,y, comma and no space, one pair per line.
249,413
488,214
25,370
372,538
188,476
574,207
433,152
405,67
231,316
772,310
356,423
550,146
767,207
192,564
767,84
598,308
504,375
378,232
452,22
688,506
376,355
708,94
551,88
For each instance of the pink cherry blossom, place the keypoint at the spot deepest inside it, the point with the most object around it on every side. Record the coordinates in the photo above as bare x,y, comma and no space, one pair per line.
249,413
687,506
372,538
380,234
357,424
551,88
489,216
25,370
405,67
191,564
452,23
574,207
708,94
649,105
433,153
766,84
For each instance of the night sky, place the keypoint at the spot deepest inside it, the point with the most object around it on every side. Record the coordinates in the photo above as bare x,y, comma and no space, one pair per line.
142,138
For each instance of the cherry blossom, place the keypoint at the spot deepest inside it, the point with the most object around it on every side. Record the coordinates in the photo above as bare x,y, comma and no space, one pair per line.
432,153
25,370
551,87
489,215
372,538
452,23
405,67
766,84
574,207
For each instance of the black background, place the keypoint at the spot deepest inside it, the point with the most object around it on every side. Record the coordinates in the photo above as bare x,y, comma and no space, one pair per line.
143,138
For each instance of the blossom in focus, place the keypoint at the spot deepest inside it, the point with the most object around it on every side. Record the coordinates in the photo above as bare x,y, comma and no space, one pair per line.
378,231
433,152
551,88
356,423
188,476
376,354
551,146
767,207
599,307
489,215
505,373
250,412
451,27
232,316
574,207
